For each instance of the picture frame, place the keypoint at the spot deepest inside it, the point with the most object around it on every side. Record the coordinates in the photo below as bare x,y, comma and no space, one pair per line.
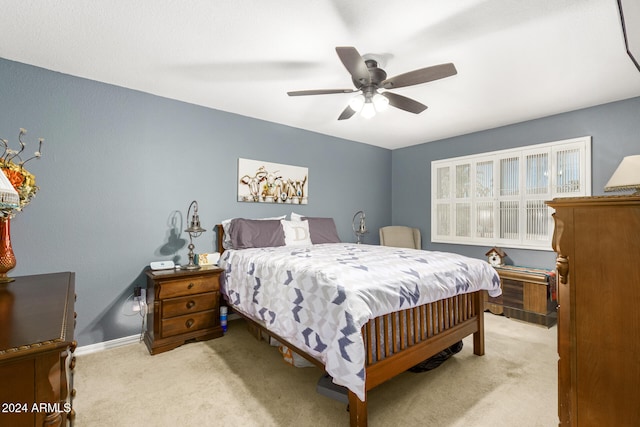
267,182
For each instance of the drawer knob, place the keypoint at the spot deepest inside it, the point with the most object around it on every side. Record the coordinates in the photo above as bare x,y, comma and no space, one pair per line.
191,285
189,323
191,304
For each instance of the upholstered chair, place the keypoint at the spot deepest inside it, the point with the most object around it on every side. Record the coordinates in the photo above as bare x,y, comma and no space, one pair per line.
400,236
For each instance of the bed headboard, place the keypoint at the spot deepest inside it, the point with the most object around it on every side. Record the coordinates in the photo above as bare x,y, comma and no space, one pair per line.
219,238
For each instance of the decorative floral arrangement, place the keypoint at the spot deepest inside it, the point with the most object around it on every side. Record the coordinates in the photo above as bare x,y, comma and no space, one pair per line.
23,181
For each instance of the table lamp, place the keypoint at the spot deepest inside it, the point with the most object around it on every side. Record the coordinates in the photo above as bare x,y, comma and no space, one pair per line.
361,228
627,176
194,230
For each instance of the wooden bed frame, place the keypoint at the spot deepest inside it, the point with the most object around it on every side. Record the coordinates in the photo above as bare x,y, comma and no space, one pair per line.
416,334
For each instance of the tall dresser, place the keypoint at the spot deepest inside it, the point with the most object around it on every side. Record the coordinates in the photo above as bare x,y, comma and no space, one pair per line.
597,241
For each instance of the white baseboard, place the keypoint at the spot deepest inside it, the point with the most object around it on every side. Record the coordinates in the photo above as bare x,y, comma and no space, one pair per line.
119,342
106,345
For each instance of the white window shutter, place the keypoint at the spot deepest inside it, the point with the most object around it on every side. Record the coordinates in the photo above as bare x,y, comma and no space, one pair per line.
570,178
499,198
484,197
442,208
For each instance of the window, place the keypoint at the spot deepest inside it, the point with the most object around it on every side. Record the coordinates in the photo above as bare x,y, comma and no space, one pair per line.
499,198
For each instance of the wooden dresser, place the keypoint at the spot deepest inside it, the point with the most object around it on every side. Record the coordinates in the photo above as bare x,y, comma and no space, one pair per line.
183,305
37,321
597,241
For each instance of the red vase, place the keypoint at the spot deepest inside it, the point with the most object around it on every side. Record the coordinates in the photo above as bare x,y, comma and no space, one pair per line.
7,257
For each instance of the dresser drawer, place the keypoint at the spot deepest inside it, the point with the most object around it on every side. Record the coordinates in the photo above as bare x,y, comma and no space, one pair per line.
190,304
190,322
189,286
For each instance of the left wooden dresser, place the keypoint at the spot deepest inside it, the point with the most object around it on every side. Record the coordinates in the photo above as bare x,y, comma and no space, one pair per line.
184,305
37,321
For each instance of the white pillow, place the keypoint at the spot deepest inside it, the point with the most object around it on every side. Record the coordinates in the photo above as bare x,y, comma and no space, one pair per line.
296,217
296,233
226,242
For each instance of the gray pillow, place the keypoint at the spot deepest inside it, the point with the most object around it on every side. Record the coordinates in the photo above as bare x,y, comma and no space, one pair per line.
226,242
322,230
255,233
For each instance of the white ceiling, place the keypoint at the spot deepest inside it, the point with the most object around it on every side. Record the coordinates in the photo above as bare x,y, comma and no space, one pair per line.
516,60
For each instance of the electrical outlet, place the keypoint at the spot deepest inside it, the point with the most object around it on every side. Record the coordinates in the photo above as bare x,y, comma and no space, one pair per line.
139,299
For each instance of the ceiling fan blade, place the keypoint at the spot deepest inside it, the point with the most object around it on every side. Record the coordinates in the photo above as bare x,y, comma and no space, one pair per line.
347,113
423,75
319,92
404,103
354,63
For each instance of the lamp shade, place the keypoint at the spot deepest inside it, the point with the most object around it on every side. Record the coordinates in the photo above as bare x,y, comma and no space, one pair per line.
194,226
356,103
380,102
368,110
627,176
9,197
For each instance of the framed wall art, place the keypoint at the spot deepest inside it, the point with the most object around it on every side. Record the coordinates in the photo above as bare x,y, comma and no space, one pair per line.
265,182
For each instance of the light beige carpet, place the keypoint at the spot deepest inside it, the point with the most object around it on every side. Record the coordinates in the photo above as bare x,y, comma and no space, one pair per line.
237,380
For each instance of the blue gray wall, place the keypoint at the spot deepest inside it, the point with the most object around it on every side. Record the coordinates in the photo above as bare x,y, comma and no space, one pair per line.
120,166
615,132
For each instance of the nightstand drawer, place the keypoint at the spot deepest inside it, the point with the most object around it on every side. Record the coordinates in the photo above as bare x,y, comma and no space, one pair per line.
190,322
189,304
189,286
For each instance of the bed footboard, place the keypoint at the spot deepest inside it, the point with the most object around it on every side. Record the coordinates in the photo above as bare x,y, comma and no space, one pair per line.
408,337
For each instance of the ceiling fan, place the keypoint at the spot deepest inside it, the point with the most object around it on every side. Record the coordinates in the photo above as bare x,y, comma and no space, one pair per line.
371,82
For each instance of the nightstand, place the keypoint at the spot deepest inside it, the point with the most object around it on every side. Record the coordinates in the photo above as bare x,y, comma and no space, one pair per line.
184,305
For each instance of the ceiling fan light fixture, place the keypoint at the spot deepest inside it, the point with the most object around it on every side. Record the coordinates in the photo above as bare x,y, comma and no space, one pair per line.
380,102
357,102
368,78
368,110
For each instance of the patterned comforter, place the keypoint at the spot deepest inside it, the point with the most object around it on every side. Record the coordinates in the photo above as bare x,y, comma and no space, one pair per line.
319,297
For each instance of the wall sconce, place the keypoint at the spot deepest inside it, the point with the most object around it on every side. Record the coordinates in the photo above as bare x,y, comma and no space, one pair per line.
194,230
627,176
360,229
